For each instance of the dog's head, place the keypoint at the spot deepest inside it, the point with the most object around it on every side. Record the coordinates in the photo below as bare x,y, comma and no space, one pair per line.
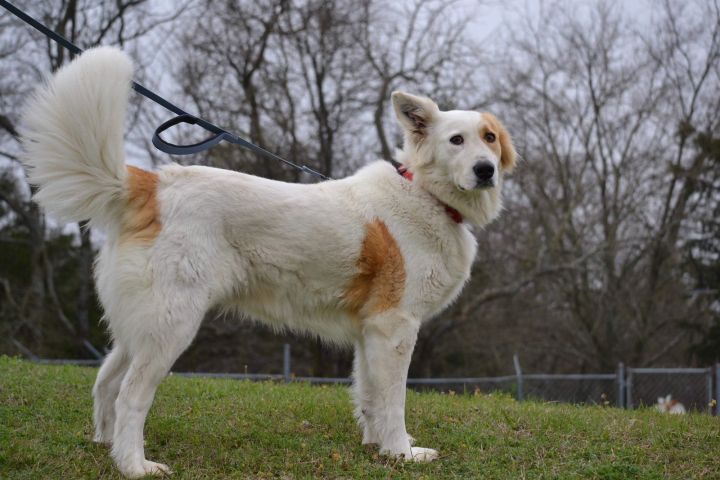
458,156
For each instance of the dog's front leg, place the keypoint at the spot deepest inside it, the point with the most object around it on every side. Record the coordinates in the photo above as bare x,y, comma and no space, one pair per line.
363,396
389,340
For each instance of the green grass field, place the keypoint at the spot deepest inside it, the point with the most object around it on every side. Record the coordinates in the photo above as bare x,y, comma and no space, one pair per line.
211,429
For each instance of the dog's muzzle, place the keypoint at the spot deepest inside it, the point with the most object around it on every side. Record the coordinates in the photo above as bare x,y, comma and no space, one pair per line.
485,174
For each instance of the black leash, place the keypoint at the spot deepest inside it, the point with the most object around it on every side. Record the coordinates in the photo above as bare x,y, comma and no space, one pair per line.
182,116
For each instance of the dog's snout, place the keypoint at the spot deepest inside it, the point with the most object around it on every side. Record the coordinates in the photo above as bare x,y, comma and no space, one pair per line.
484,171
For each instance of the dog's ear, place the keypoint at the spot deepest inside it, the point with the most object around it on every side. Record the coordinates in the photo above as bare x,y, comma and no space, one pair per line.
415,114
508,155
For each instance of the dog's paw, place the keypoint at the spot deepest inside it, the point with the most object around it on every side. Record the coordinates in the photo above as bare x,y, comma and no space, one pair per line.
147,468
420,454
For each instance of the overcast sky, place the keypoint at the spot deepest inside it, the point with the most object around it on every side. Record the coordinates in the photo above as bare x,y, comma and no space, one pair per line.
490,15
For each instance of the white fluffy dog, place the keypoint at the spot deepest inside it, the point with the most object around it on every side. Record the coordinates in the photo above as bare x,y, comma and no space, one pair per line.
668,405
361,261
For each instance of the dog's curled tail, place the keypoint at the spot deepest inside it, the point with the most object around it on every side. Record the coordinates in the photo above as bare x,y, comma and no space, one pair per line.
73,138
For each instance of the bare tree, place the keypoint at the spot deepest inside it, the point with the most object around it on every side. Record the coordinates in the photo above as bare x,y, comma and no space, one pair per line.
27,57
329,68
422,45
605,115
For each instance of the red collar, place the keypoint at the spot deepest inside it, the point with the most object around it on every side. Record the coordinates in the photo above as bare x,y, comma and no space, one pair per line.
452,213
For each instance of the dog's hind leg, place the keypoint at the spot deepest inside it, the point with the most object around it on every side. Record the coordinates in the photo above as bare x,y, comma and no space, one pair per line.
389,339
105,392
152,355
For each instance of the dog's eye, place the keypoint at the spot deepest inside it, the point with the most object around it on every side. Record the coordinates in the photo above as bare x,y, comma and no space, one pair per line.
489,137
457,140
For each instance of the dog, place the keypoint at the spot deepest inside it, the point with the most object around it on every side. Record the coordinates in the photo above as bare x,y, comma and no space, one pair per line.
362,261
669,405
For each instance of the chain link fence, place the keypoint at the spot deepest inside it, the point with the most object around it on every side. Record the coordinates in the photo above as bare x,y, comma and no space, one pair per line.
697,389
692,387
471,385
595,389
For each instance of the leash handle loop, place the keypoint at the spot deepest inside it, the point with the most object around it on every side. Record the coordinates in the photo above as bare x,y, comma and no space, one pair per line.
174,149
220,135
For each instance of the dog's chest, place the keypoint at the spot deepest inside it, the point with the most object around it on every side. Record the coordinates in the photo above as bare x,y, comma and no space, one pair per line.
439,274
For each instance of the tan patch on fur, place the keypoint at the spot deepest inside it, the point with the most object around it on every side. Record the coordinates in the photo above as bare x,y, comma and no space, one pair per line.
380,282
502,146
141,222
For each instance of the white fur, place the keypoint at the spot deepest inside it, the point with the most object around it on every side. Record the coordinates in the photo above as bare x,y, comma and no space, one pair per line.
279,253
667,405
73,137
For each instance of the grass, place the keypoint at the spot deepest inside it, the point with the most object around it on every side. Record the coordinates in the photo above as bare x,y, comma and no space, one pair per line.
212,429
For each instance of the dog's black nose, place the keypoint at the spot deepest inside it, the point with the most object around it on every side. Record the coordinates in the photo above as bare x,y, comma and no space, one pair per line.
484,171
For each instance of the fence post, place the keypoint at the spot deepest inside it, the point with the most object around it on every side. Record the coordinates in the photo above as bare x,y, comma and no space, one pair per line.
621,385
286,362
25,351
628,389
709,376
91,348
717,389
518,374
